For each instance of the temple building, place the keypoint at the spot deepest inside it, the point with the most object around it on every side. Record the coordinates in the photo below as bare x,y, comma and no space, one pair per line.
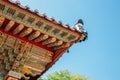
31,43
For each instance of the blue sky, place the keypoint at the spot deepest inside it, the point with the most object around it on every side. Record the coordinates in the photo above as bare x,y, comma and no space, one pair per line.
99,56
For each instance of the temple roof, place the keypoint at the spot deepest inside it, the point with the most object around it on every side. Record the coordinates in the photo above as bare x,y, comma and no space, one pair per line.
42,33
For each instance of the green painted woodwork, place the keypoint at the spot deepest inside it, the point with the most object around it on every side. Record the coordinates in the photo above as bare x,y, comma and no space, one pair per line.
30,20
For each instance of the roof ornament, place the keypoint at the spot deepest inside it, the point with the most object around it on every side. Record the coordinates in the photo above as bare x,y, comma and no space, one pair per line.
60,22
36,11
68,51
52,19
17,2
67,26
11,1
27,7
44,15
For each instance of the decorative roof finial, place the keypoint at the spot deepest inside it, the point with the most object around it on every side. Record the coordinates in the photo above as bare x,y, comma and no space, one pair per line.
67,26
36,11
27,7
11,1
60,22
17,2
52,19
44,15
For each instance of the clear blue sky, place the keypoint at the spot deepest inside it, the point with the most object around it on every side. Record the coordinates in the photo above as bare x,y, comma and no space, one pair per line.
99,56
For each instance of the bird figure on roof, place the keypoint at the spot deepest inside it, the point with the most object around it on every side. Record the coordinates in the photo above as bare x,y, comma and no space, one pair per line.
79,26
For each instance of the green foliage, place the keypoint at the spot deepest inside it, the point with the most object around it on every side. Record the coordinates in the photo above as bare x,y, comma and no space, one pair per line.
39,79
64,75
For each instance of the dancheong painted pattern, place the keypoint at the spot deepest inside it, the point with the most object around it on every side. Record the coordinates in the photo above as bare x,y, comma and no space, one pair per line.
31,43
